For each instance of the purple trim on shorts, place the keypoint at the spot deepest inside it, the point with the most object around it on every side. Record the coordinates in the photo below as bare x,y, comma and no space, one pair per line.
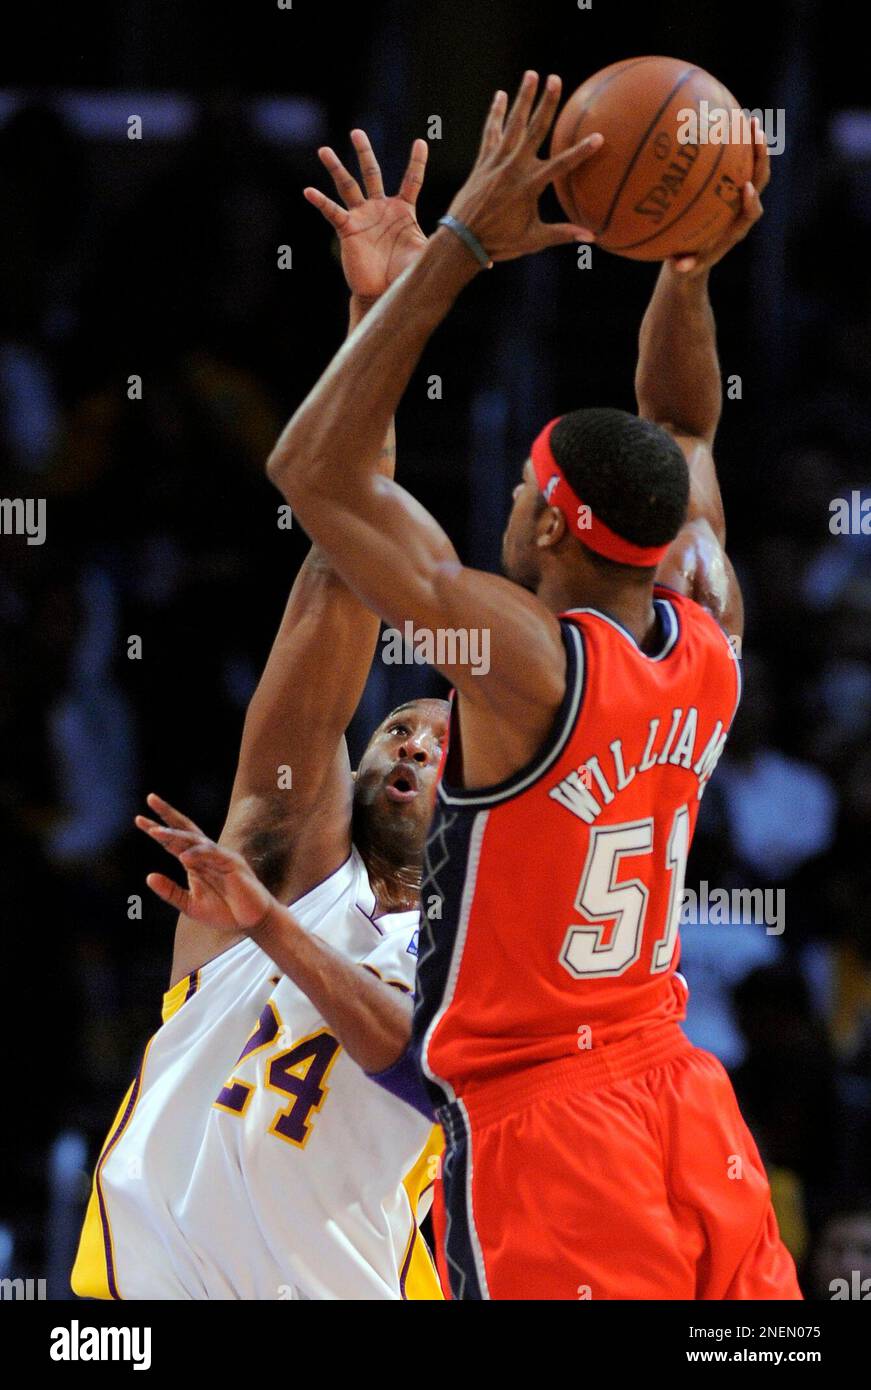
104,1219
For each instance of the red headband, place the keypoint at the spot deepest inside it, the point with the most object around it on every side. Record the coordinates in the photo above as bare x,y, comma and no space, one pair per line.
582,523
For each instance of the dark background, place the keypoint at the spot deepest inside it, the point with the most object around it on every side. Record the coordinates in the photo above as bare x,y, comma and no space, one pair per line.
158,257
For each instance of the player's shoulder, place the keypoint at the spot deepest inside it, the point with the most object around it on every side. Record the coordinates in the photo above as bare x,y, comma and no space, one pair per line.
694,618
713,656
215,986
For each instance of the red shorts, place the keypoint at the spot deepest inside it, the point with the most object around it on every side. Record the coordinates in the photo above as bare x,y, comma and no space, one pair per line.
625,1173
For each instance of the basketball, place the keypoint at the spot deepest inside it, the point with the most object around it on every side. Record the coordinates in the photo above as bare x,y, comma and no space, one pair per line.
445,975
677,151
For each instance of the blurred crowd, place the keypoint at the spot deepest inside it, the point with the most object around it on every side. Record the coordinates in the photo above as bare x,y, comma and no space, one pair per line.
159,261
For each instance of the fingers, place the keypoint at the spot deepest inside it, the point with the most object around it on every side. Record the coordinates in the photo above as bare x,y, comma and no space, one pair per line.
336,216
569,159
169,892
761,157
347,186
169,814
518,116
369,166
558,233
494,124
349,189
210,859
745,218
751,207
543,115
749,213
412,179
173,841
226,874
751,204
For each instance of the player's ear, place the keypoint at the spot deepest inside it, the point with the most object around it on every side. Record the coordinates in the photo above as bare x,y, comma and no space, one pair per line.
551,528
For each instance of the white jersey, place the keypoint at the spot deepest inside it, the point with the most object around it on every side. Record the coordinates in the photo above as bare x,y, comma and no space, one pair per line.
251,1157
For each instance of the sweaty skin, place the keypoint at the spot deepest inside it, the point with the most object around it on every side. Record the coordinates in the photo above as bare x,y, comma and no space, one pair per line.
320,660
397,557
287,841
393,554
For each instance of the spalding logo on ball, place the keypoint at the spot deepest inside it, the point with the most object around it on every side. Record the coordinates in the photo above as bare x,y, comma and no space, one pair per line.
677,152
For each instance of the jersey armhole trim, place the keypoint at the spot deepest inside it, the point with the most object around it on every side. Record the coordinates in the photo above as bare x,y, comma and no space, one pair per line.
563,726
736,659
120,1126
733,655
180,993
739,673
669,641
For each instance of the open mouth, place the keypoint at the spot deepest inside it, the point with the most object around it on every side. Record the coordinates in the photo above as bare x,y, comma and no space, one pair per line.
401,785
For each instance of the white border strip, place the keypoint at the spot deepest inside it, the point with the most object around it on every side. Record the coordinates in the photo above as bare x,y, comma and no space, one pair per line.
472,862
474,1239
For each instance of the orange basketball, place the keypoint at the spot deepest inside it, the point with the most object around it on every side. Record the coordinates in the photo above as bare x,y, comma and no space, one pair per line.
677,151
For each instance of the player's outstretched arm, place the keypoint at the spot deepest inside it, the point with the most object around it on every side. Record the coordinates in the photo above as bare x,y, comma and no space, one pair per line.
297,835
370,1018
678,385
320,661
385,545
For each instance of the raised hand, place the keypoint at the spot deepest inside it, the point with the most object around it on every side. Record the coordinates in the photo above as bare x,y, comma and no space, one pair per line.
222,891
499,200
748,214
378,235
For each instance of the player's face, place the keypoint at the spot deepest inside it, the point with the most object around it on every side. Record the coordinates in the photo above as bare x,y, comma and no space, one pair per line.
519,554
395,785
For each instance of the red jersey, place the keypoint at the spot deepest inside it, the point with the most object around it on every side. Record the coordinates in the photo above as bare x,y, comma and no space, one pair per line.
551,902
